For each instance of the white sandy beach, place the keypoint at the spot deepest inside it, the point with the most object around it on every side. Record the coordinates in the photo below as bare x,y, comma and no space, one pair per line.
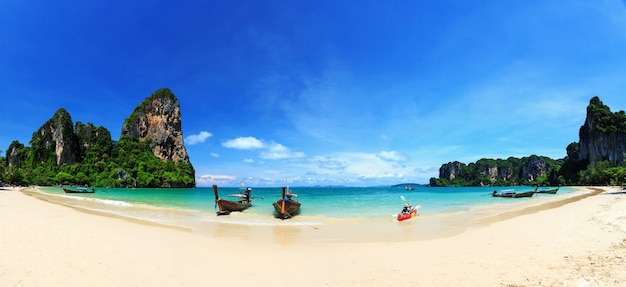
580,243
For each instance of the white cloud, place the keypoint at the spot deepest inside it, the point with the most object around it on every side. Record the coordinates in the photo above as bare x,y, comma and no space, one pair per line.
199,138
391,156
278,151
244,143
272,150
248,160
210,179
214,154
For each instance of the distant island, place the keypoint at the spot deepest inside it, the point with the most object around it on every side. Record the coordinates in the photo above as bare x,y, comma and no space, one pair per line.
597,159
407,184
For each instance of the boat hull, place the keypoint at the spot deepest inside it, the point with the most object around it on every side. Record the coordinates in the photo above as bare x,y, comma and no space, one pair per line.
78,191
291,208
515,194
229,206
226,206
548,191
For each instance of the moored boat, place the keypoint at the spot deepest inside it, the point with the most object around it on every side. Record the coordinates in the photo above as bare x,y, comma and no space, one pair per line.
512,193
79,190
287,206
228,206
548,190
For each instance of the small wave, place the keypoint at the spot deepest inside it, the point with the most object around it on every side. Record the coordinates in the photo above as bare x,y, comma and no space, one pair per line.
115,202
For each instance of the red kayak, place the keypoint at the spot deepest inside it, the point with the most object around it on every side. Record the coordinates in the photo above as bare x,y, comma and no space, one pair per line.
403,216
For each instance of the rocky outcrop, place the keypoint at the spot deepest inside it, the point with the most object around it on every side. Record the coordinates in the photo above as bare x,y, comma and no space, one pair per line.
489,171
158,120
534,168
450,170
603,136
13,156
505,173
55,140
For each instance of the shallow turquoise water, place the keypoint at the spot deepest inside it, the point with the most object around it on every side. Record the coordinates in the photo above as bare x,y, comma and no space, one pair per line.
336,202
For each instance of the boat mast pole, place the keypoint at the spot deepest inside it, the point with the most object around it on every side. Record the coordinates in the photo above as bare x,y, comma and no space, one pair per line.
216,196
282,209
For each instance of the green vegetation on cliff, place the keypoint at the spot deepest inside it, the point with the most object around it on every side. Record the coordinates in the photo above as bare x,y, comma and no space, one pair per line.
501,172
126,163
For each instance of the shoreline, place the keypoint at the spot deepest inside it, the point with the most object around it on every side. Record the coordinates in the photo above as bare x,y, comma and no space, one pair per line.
307,229
579,243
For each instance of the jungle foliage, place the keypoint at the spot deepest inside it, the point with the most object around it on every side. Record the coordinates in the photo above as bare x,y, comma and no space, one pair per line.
103,163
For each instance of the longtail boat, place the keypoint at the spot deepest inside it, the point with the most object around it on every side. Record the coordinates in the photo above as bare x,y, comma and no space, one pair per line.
79,190
287,206
549,190
227,206
514,194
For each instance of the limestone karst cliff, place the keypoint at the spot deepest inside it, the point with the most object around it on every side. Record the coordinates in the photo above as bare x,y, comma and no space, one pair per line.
489,171
55,140
158,119
150,152
603,135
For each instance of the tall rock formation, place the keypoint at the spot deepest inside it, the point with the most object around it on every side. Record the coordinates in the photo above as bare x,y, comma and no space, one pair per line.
158,118
13,153
603,136
450,170
55,140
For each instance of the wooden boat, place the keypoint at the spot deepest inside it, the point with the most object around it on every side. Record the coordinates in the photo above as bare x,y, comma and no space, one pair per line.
513,193
79,190
227,206
287,206
549,190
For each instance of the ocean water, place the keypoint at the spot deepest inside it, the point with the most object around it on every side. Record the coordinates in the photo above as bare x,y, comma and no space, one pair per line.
318,203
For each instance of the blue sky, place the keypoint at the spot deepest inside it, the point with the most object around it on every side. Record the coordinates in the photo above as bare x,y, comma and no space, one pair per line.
356,93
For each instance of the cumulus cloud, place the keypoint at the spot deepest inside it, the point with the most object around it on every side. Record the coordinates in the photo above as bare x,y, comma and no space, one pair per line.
271,150
244,143
391,156
217,177
198,138
279,151
210,179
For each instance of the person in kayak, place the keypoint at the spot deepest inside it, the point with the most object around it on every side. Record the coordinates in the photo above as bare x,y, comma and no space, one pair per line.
407,208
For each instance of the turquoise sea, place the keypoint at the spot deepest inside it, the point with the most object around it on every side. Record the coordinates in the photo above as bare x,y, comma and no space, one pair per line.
335,202
337,214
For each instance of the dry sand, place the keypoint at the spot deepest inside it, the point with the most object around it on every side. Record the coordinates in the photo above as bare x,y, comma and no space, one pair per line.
575,242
